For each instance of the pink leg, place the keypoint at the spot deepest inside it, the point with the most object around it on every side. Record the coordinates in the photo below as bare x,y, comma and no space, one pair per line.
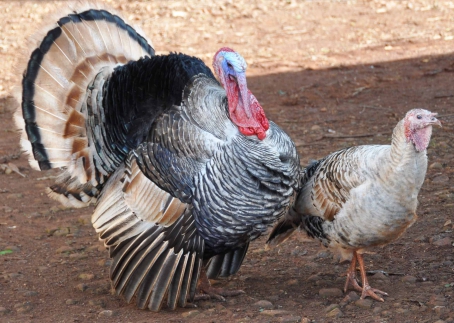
209,292
367,290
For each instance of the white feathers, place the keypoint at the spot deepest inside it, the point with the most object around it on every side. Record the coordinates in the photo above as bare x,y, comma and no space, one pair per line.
131,200
66,57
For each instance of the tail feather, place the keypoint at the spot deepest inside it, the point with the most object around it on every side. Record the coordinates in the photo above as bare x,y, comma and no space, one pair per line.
283,229
59,74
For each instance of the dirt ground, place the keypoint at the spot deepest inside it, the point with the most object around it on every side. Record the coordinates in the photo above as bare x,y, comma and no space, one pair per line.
332,74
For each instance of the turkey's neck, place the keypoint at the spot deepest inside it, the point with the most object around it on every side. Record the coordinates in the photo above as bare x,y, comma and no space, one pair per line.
408,165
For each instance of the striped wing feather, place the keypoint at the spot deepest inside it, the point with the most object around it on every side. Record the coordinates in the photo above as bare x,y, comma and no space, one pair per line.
331,182
151,237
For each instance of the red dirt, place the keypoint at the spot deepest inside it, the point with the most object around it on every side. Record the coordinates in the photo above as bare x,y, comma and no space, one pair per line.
332,74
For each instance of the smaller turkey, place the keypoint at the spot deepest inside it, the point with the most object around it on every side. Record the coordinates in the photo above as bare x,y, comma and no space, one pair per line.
364,196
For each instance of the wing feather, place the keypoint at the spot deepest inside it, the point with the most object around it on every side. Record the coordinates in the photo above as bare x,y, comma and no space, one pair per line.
151,237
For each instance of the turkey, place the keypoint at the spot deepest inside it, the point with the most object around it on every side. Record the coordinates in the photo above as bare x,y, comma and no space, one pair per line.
363,196
184,171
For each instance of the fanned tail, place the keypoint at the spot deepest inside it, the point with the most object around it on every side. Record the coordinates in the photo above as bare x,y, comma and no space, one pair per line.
58,83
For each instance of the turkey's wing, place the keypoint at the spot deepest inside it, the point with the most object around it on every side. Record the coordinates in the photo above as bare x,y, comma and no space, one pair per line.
151,237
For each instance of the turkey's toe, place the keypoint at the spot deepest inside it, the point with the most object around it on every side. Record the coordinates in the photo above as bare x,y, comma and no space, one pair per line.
201,297
372,292
219,293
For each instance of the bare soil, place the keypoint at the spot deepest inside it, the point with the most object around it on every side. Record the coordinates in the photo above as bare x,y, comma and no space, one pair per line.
332,74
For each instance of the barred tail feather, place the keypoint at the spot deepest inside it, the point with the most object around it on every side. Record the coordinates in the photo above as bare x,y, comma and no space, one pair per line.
284,228
54,89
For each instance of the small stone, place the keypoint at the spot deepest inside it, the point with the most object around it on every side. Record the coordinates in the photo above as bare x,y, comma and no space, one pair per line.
330,292
386,313
331,307
436,165
440,310
71,302
263,304
421,238
93,248
334,313
97,302
316,127
190,314
61,232
106,313
440,179
15,276
82,287
102,290
313,278
377,310
23,307
353,296
105,262
64,249
409,279
323,255
86,276
290,319
273,312
77,256
379,276
305,320
30,293
292,282
4,311
443,242
364,303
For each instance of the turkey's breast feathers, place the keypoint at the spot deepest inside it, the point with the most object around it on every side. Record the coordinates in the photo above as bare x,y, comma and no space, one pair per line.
237,185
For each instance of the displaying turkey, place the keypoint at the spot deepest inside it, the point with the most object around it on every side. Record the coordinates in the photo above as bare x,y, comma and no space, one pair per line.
184,172
363,196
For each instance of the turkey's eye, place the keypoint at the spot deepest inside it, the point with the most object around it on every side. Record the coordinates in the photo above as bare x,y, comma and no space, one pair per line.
229,65
419,116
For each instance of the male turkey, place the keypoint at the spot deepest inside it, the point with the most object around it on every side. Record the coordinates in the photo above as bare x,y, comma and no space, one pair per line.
185,172
363,196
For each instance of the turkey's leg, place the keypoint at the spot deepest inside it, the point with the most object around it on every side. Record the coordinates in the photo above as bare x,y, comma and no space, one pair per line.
367,290
210,292
351,275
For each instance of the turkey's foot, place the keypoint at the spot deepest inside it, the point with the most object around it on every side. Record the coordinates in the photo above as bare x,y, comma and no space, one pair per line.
210,292
372,292
367,290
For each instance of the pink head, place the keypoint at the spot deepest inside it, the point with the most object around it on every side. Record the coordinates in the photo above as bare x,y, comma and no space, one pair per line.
418,127
244,109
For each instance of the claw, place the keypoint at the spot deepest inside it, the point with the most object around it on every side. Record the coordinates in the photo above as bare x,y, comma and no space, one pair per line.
210,292
366,290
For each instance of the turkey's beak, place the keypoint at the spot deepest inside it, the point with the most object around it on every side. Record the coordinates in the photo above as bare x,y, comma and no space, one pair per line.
242,85
434,121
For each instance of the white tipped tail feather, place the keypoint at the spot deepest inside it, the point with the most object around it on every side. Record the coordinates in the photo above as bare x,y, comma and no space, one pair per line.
54,94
